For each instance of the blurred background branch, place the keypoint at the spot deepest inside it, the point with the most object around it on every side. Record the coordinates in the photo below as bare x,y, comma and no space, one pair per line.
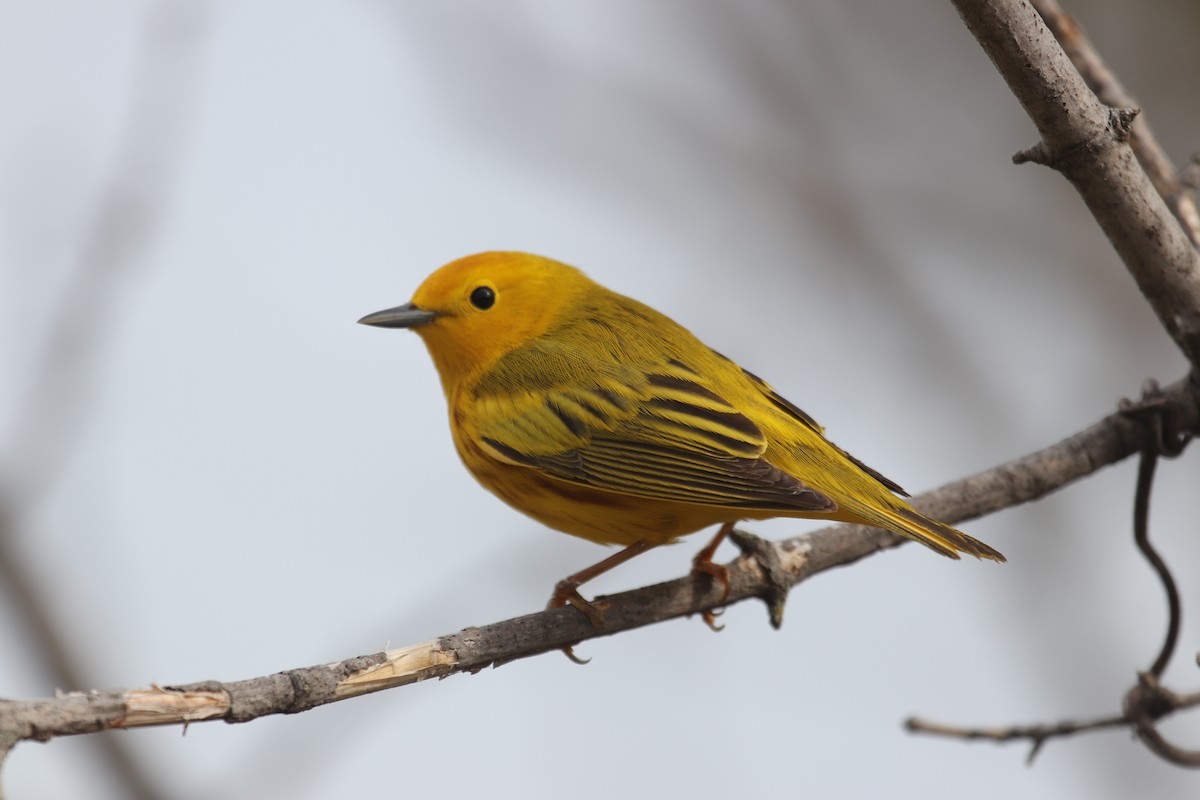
44,432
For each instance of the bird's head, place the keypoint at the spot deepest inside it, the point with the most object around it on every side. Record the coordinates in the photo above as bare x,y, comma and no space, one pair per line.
474,310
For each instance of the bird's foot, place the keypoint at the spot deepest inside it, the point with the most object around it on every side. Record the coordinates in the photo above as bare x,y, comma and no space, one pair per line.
566,593
703,564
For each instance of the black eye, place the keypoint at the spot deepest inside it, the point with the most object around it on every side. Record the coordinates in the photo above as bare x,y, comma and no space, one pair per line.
483,298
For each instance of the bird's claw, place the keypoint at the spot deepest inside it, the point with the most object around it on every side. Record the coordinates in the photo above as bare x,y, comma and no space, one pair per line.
569,652
702,564
710,619
566,593
718,572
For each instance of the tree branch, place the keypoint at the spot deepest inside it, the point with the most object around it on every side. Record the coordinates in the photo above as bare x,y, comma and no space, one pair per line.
1087,142
1106,442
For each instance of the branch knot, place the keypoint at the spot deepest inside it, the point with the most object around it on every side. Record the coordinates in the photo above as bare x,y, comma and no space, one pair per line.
1118,131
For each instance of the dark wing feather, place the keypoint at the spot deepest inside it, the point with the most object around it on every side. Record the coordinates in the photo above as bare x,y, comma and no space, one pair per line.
647,470
656,432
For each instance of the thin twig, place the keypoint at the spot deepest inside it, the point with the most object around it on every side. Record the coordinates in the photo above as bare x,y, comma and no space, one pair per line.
1036,734
1148,700
1141,537
1159,437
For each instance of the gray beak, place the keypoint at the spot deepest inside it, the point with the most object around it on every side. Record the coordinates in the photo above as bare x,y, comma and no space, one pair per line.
405,316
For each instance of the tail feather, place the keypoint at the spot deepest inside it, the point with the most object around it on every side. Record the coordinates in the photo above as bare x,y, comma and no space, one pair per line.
935,535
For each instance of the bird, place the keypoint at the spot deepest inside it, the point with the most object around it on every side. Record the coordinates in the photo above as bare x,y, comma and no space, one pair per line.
604,419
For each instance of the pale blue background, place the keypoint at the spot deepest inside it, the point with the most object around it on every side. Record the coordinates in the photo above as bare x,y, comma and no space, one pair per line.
822,190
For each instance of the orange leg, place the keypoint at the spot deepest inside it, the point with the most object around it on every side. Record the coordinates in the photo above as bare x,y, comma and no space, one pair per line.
566,592
702,564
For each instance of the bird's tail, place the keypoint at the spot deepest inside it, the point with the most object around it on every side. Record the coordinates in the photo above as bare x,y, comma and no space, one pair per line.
935,535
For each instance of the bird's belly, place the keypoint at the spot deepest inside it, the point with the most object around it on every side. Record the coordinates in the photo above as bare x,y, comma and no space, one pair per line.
593,514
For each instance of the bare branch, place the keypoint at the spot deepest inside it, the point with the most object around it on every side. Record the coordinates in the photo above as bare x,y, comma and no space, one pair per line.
1036,734
1086,141
799,558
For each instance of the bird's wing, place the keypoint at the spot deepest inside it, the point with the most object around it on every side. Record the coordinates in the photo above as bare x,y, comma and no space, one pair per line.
792,410
658,432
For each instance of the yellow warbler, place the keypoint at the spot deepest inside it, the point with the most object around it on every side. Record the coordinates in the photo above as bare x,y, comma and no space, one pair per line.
602,418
